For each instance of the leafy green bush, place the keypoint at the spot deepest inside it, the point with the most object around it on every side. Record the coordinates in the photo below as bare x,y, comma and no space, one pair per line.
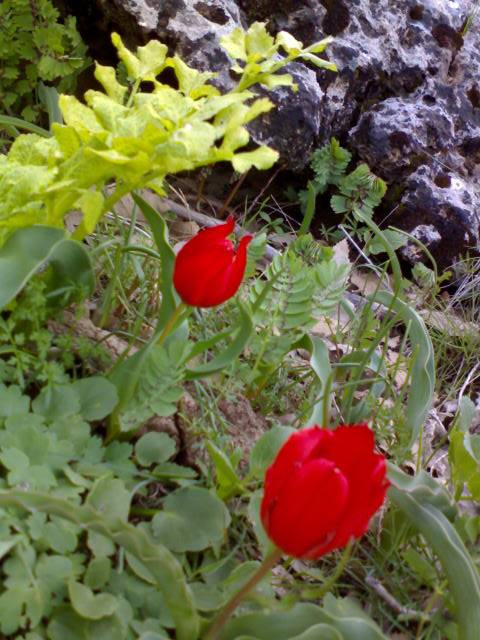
136,139
35,47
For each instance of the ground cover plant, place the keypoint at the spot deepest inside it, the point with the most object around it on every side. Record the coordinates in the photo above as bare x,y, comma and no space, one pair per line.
203,435
38,55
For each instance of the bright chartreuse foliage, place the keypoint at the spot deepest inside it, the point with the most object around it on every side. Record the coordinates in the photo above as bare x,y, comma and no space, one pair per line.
124,138
35,47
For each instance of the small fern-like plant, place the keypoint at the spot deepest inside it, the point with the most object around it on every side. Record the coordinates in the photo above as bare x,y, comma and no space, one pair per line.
355,195
298,288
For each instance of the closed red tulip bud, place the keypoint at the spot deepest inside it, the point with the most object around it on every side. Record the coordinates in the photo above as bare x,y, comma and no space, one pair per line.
322,490
208,269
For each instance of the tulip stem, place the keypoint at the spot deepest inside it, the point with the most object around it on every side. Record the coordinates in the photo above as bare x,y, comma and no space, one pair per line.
219,621
170,324
328,585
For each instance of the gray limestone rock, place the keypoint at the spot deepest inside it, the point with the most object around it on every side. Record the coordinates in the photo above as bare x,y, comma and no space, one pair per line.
406,99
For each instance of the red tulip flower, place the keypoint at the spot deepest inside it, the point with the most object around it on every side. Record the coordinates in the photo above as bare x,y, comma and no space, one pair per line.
208,270
322,489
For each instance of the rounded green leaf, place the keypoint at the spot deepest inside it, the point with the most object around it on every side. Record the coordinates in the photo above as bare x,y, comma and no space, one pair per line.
55,402
192,519
98,397
89,605
154,448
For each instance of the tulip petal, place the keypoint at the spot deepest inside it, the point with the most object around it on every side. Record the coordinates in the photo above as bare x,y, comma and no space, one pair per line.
206,237
352,450
236,271
304,515
208,271
199,276
295,452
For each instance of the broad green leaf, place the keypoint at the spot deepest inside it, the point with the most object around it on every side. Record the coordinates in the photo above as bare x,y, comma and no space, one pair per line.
192,520
7,545
110,497
464,452
12,401
11,605
208,597
320,363
67,624
266,448
258,41
320,632
131,62
422,502
154,448
286,625
78,115
91,205
160,562
55,402
97,396
89,605
98,573
254,517
28,250
288,42
148,62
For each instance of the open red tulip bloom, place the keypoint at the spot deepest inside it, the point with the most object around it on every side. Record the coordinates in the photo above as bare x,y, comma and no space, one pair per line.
208,270
322,489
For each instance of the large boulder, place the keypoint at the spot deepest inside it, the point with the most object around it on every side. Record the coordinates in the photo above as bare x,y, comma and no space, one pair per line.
406,99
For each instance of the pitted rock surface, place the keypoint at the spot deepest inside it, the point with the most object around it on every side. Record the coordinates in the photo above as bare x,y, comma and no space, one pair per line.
406,99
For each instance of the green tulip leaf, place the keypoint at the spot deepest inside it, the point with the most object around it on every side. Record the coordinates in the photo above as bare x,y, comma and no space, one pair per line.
167,257
320,363
231,352
300,619
427,506
28,250
423,370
